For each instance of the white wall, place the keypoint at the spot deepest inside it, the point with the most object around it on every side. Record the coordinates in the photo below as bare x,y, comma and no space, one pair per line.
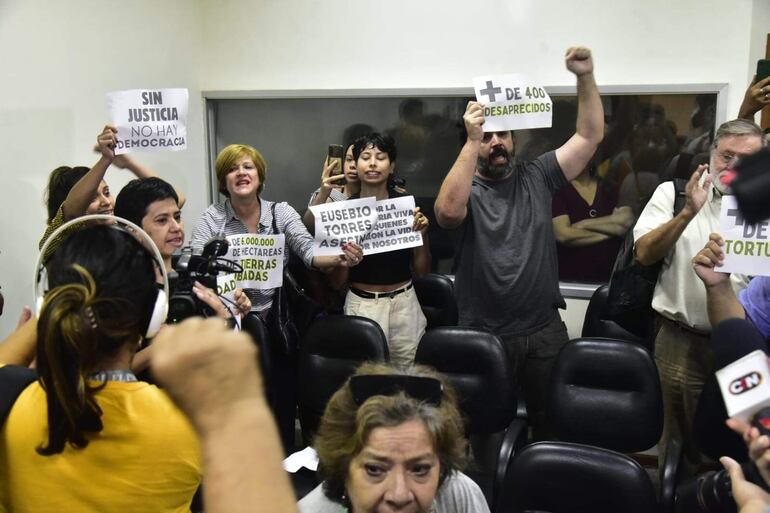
300,44
58,59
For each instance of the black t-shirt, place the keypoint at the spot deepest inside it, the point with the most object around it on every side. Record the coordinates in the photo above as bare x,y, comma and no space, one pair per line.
383,268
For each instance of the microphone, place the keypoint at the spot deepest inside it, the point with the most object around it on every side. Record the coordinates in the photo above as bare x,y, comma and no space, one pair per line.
216,246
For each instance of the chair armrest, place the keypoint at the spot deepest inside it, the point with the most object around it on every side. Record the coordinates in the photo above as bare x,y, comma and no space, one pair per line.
669,476
515,438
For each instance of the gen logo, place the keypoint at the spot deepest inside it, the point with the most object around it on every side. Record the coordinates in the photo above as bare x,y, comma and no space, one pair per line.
745,383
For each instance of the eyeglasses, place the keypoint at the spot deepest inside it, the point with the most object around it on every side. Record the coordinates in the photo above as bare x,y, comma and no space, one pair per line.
727,158
421,388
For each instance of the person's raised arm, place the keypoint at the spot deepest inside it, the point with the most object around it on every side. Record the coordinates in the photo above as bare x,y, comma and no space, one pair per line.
139,170
351,256
83,192
757,96
452,202
654,245
574,155
211,373
19,347
721,300
327,184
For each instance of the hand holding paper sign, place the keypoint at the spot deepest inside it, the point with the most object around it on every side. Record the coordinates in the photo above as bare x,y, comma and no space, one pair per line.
420,221
578,60
106,142
708,259
213,301
352,254
473,119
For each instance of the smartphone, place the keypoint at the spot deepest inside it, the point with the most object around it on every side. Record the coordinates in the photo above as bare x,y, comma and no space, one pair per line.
337,152
763,69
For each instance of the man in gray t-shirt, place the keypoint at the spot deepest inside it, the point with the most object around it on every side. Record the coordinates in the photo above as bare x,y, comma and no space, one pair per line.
507,278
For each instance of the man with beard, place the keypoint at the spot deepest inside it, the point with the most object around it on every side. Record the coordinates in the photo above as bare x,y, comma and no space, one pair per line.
682,350
507,279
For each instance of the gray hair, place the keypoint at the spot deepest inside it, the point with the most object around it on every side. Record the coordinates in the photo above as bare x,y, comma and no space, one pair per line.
738,127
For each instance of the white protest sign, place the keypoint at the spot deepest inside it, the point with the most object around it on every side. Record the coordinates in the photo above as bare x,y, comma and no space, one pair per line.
512,102
747,246
393,229
377,226
342,221
149,120
261,257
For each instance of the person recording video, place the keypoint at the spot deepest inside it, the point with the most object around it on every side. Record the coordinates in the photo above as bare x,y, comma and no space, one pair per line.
153,204
87,434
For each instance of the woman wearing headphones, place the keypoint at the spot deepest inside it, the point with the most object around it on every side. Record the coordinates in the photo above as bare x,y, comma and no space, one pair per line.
87,435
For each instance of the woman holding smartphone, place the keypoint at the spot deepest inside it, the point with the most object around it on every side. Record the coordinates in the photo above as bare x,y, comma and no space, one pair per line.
381,285
331,178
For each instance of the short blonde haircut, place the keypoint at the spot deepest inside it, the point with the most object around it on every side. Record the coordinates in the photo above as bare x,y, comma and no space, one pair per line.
345,427
227,158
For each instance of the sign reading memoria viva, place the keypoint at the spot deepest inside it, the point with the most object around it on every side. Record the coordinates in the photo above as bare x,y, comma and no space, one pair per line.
747,246
512,102
377,226
149,119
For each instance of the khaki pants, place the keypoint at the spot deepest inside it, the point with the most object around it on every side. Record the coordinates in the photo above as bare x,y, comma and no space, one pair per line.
400,317
684,359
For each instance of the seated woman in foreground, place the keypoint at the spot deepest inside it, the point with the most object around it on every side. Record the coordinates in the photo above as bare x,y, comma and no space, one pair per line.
392,440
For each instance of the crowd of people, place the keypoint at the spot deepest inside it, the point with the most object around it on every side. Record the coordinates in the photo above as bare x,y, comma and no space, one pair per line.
84,433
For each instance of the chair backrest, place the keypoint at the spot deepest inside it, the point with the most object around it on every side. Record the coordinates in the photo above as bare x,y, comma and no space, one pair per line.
331,350
558,477
606,393
436,295
253,325
596,324
476,365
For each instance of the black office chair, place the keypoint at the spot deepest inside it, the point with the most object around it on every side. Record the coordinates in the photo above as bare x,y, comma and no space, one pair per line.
604,393
331,350
436,295
476,365
253,325
596,324
563,477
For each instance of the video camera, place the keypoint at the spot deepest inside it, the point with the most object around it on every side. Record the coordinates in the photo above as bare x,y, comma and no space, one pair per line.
191,266
712,492
744,384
